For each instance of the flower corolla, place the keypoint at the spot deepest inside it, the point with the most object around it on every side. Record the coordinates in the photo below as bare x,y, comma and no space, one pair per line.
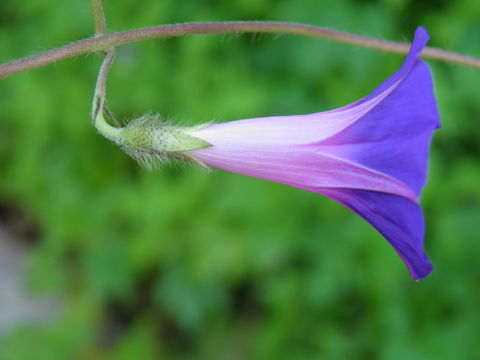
371,156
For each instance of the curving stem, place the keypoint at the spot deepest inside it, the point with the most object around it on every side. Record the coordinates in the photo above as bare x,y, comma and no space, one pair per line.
268,27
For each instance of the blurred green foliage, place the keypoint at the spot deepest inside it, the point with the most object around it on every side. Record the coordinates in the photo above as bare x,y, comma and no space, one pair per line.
183,264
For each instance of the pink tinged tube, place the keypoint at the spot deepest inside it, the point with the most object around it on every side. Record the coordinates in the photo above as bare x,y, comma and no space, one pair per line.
370,156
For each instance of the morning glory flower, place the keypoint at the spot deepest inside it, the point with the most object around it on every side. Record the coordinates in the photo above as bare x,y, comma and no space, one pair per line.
371,156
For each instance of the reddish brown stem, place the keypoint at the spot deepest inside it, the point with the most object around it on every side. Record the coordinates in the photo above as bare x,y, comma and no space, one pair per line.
269,27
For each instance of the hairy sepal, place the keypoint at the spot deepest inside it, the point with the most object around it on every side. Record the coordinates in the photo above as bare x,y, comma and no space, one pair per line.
153,142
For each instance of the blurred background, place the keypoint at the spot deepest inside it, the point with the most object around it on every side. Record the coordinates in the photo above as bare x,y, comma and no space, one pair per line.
101,259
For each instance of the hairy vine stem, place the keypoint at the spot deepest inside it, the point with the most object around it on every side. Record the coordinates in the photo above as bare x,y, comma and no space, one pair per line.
99,105
105,42
99,18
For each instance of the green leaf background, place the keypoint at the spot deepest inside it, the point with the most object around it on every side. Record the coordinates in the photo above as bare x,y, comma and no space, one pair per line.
183,264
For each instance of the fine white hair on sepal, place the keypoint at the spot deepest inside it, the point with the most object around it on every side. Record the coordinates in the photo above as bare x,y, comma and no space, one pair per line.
154,142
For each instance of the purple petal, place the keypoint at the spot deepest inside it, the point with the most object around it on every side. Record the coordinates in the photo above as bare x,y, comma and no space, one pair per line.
303,168
371,156
285,130
420,40
394,137
397,219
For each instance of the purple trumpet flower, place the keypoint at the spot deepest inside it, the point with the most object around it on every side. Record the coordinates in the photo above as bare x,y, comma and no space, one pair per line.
370,156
